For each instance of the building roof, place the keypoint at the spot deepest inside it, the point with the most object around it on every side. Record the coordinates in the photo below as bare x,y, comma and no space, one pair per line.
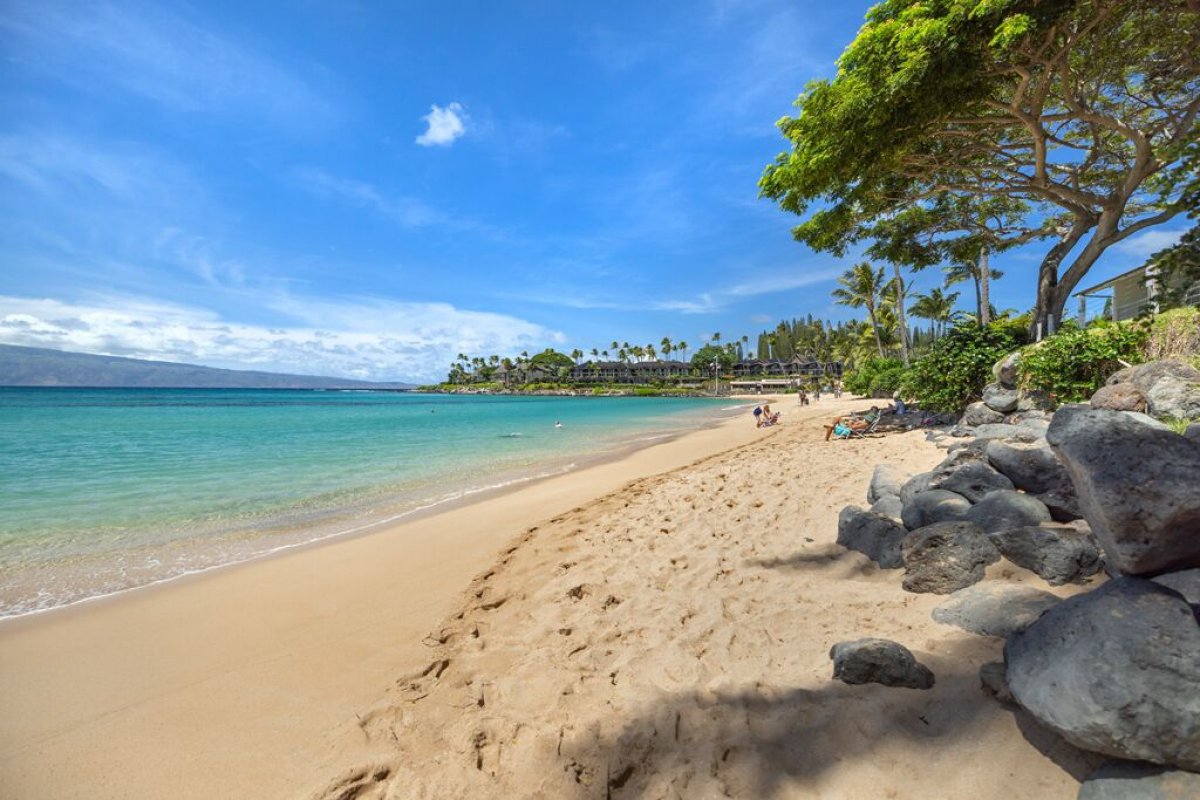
1111,281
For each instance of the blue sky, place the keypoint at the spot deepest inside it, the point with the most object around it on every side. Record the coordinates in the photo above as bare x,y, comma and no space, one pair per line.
367,189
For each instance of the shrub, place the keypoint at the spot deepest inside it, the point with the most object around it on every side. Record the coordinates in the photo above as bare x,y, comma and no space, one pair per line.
877,377
956,369
1175,334
1073,363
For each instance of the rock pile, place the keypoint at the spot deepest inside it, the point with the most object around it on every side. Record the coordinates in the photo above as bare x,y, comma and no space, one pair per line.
1115,670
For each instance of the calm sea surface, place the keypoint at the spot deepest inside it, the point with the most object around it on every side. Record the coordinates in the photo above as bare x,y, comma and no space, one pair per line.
103,490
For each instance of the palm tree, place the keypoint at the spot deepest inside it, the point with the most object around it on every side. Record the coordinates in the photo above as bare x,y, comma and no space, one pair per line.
596,354
651,353
861,286
961,271
716,337
666,347
576,354
683,348
937,307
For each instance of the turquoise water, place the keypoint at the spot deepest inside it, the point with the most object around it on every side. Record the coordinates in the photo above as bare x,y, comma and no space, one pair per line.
103,490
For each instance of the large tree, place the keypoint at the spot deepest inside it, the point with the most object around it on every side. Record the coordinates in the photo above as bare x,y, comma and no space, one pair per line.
1081,108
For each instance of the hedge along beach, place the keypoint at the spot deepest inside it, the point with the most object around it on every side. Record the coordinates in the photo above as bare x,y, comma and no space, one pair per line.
690,588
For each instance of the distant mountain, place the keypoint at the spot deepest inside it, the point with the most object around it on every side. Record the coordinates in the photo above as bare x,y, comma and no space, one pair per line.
36,366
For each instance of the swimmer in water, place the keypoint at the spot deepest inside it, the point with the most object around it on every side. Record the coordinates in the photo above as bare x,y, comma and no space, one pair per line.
557,424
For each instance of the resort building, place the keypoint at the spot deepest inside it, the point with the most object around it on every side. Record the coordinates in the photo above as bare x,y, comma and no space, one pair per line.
1130,293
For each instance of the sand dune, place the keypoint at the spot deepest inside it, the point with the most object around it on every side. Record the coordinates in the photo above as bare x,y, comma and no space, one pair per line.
671,640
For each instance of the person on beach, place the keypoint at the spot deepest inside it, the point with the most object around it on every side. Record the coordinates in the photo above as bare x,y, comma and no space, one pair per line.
898,399
768,418
758,423
853,423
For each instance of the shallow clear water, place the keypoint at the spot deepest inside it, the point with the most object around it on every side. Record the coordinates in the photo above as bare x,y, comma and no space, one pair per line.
106,489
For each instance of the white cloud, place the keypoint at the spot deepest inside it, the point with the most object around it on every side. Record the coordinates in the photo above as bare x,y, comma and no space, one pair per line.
408,211
1141,246
364,338
445,125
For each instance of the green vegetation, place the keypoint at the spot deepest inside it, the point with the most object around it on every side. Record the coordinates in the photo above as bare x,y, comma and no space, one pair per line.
955,128
1175,334
878,377
1073,363
952,375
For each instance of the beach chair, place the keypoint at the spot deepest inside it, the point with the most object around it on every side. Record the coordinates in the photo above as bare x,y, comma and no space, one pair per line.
865,431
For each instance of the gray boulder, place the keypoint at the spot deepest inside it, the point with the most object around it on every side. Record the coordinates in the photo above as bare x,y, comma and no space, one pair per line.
1008,509
914,485
1057,553
876,536
1037,427
1017,417
889,507
994,681
1018,433
979,414
1138,486
886,481
1186,582
1115,671
1192,432
1172,388
879,661
1031,466
1062,503
1137,780
935,505
1119,397
994,609
946,556
1006,370
1035,400
972,477
999,398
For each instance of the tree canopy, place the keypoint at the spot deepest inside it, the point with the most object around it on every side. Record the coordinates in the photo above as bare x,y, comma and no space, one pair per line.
1070,118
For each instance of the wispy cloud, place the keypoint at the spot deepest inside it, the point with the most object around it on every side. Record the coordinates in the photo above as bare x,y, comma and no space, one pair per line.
1141,246
445,125
150,51
709,302
367,338
408,211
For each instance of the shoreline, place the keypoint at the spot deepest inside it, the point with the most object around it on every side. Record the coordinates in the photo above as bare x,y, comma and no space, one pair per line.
274,538
118,664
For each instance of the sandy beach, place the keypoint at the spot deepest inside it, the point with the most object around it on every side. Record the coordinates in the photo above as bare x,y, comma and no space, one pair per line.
655,626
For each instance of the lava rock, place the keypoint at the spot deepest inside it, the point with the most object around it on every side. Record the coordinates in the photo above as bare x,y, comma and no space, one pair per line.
1192,432
1062,503
1119,397
934,505
1186,582
1137,780
992,679
1115,671
1031,466
1057,553
1006,370
889,507
876,536
999,398
970,477
979,414
994,609
1138,486
1017,433
1035,400
879,661
1172,388
1008,509
886,481
914,485
946,556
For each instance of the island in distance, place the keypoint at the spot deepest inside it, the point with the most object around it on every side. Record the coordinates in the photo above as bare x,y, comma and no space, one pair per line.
37,366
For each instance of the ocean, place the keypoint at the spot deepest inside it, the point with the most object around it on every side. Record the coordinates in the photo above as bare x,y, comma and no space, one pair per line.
105,490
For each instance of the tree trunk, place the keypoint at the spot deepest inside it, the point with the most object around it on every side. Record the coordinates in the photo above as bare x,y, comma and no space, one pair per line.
1045,319
875,330
985,301
900,320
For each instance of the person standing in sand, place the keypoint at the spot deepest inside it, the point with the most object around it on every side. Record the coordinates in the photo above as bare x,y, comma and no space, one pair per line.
758,422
